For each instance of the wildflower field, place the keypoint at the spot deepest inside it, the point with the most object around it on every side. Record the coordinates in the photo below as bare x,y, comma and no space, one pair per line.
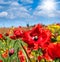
37,44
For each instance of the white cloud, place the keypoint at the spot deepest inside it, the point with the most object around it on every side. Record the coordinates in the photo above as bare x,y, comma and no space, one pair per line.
47,9
15,3
3,14
3,2
57,13
48,5
27,1
18,11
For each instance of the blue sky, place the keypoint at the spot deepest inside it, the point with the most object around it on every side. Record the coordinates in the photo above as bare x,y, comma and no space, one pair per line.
21,12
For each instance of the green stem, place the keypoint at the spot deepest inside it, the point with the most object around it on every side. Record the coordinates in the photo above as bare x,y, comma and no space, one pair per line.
27,56
17,55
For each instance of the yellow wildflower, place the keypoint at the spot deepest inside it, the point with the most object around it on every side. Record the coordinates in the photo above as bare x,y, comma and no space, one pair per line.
58,38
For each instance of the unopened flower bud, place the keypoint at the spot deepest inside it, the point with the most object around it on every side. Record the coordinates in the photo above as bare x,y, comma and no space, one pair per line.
11,51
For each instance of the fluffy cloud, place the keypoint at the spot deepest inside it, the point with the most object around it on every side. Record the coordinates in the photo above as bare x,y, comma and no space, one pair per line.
3,2
15,4
47,9
27,1
3,14
16,10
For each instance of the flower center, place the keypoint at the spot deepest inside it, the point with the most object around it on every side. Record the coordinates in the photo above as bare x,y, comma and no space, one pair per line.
35,38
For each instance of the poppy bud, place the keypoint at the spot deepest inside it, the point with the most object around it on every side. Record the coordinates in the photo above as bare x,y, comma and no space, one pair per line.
11,51
6,34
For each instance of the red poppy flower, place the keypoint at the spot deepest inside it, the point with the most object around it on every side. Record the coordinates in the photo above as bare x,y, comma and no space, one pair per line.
6,34
5,54
39,58
1,36
1,61
37,36
47,57
18,32
53,50
21,56
13,37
